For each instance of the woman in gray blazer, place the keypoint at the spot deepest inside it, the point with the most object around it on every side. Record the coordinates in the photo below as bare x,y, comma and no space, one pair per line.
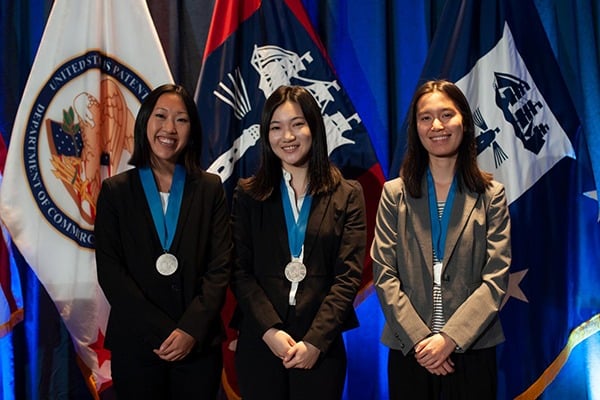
441,256
163,253
300,239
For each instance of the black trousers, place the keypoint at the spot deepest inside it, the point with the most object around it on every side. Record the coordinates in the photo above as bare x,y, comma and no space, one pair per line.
141,374
474,377
262,376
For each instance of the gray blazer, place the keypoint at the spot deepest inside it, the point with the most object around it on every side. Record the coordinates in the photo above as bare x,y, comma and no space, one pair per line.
474,278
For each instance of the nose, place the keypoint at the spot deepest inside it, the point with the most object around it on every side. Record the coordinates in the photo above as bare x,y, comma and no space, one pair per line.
437,124
288,134
169,125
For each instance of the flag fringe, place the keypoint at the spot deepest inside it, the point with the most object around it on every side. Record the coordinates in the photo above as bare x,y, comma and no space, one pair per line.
15,318
578,335
229,391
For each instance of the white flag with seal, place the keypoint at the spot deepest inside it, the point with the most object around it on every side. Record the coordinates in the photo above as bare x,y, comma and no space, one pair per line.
515,125
97,61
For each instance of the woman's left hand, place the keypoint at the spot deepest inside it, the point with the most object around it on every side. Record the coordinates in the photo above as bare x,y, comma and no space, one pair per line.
302,355
176,346
433,352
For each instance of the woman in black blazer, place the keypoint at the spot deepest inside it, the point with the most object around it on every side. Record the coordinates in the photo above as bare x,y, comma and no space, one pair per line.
163,253
299,239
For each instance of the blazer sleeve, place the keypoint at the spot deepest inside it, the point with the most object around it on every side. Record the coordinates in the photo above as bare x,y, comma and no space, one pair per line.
481,308
400,314
252,299
205,307
348,268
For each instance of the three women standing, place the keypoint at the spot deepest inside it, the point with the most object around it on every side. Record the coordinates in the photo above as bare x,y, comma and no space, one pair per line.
441,256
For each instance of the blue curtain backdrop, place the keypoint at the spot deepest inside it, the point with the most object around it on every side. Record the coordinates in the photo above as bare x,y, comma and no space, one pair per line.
378,49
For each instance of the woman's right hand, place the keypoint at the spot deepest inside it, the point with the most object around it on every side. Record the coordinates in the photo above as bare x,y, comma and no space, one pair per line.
278,341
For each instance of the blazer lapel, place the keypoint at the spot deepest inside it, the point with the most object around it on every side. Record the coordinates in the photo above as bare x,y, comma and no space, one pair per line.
275,217
184,209
418,210
464,204
319,207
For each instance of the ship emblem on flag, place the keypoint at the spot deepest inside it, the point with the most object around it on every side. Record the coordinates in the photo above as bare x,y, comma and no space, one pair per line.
504,96
276,66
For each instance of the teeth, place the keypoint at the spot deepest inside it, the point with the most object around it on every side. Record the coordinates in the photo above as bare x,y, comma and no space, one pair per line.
166,140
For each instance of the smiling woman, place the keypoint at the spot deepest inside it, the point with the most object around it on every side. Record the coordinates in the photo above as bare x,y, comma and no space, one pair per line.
166,285
439,124
296,273
168,134
441,306
291,141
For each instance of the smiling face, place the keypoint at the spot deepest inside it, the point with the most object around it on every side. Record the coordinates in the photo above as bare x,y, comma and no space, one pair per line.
168,129
289,136
439,125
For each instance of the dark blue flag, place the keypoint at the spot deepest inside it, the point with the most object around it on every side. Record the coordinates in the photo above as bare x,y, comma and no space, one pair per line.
254,47
528,136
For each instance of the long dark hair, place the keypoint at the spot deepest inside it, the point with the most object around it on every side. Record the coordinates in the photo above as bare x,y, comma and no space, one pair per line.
323,176
190,156
416,159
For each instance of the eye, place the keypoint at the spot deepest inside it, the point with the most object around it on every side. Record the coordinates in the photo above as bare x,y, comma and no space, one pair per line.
183,120
159,115
424,118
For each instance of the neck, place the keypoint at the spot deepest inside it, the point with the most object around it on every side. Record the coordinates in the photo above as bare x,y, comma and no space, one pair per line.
442,172
299,180
163,175
442,169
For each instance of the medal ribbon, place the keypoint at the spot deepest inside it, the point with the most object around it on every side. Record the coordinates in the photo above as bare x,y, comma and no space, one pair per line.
296,230
165,223
439,228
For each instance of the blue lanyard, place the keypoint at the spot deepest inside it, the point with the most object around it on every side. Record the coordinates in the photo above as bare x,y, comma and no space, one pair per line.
165,223
296,229
439,228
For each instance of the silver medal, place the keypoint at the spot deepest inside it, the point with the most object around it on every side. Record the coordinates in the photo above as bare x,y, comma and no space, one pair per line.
166,264
295,271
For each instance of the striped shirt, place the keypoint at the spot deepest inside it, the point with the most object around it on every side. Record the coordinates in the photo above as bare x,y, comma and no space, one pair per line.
437,319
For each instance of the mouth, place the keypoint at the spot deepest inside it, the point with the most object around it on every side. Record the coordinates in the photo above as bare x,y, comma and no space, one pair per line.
439,138
290,148
165,141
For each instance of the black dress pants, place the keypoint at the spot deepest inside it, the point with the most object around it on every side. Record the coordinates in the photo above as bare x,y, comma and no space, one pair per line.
262,376
474,377
141,374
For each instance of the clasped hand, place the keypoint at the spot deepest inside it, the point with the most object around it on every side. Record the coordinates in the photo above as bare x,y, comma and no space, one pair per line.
293,354
176,346
433,353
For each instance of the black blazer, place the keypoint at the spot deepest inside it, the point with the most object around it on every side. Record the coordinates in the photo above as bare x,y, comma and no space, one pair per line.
146,306
334,251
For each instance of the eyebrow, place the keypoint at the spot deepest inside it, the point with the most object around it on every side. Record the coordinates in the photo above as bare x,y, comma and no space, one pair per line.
276,121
